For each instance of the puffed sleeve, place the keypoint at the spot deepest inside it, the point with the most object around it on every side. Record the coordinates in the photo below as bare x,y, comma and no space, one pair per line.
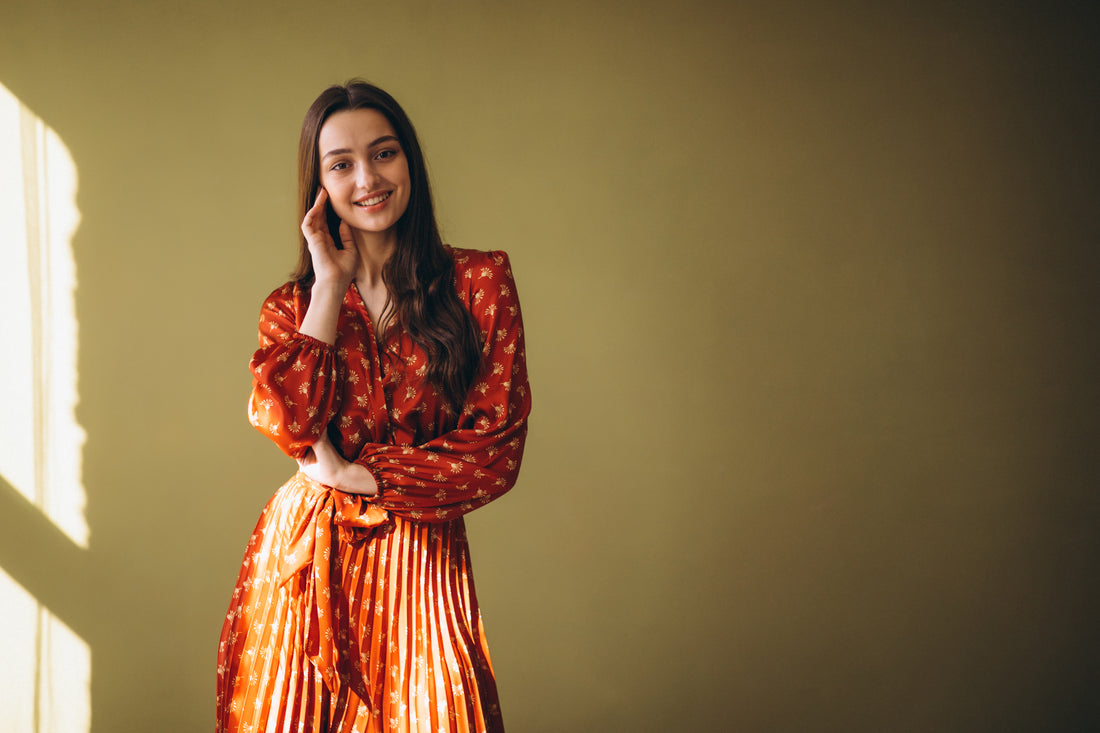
479,460
294,376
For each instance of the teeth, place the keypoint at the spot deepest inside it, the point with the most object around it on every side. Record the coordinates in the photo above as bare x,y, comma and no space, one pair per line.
373,200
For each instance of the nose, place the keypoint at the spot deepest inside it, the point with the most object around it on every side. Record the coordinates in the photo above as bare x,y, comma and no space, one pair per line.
366,175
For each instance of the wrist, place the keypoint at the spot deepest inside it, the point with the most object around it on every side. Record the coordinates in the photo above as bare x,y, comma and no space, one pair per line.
341,481
323,312
357,479
330,285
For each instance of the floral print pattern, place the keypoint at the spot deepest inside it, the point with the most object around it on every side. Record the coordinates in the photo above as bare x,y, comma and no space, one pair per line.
355,613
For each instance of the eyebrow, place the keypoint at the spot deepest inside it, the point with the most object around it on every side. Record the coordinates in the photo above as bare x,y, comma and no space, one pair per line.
378,141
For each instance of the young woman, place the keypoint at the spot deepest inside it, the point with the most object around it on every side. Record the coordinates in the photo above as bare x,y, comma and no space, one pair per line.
392,368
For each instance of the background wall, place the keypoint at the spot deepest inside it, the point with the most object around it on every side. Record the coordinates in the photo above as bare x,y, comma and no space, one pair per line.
809,290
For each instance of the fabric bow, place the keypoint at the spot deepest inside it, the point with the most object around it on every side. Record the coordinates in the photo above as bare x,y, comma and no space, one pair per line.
309,545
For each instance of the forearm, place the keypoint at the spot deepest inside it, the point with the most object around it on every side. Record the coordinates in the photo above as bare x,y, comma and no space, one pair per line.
323,311
355,479
326,466
449,476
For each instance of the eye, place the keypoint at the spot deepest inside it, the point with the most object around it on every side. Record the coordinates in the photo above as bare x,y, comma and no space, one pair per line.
385,154
338,166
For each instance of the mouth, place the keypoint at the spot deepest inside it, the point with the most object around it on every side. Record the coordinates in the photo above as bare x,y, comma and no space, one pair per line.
374,200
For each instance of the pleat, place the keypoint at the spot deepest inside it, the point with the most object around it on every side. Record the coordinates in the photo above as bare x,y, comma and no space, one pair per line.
265,680
406,622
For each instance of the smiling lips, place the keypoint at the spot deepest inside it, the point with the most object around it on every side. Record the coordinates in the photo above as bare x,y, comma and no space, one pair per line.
374,200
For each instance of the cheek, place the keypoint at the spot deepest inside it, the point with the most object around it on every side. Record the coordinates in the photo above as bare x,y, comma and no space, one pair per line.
340,208
337,192
404,204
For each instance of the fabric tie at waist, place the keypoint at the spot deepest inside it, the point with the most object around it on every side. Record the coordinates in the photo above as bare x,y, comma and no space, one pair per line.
310,544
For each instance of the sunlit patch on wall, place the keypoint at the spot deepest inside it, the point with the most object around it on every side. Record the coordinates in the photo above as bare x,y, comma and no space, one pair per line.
45,669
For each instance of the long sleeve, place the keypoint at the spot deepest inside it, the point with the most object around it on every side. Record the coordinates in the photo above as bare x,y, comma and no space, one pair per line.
294,376
478,461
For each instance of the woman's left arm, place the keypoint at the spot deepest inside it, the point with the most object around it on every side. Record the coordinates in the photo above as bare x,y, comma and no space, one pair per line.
324,464
478,461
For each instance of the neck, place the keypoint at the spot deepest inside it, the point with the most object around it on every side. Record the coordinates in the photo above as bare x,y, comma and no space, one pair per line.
374,251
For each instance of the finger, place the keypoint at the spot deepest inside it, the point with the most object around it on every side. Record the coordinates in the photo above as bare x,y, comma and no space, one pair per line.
314,234
345,236
314,225
318,204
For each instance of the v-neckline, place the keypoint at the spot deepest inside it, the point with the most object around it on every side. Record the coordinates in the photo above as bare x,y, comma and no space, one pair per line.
371,324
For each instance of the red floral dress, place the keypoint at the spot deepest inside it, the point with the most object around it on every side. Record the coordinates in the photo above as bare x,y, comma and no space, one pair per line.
356,613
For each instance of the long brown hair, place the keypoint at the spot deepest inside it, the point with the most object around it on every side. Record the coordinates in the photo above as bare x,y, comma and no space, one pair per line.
420,274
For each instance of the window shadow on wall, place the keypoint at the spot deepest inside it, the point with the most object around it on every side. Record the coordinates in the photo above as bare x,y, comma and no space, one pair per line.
139,603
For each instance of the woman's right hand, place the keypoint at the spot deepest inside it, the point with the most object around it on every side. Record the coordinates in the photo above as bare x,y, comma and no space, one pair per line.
330,265
327,467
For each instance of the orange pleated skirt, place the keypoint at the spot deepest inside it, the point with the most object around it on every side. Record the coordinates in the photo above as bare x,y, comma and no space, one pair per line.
346,618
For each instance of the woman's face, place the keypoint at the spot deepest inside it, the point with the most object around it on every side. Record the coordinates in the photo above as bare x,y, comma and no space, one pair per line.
364,169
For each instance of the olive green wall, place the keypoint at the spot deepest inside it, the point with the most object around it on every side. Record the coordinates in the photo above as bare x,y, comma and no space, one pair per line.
812,336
